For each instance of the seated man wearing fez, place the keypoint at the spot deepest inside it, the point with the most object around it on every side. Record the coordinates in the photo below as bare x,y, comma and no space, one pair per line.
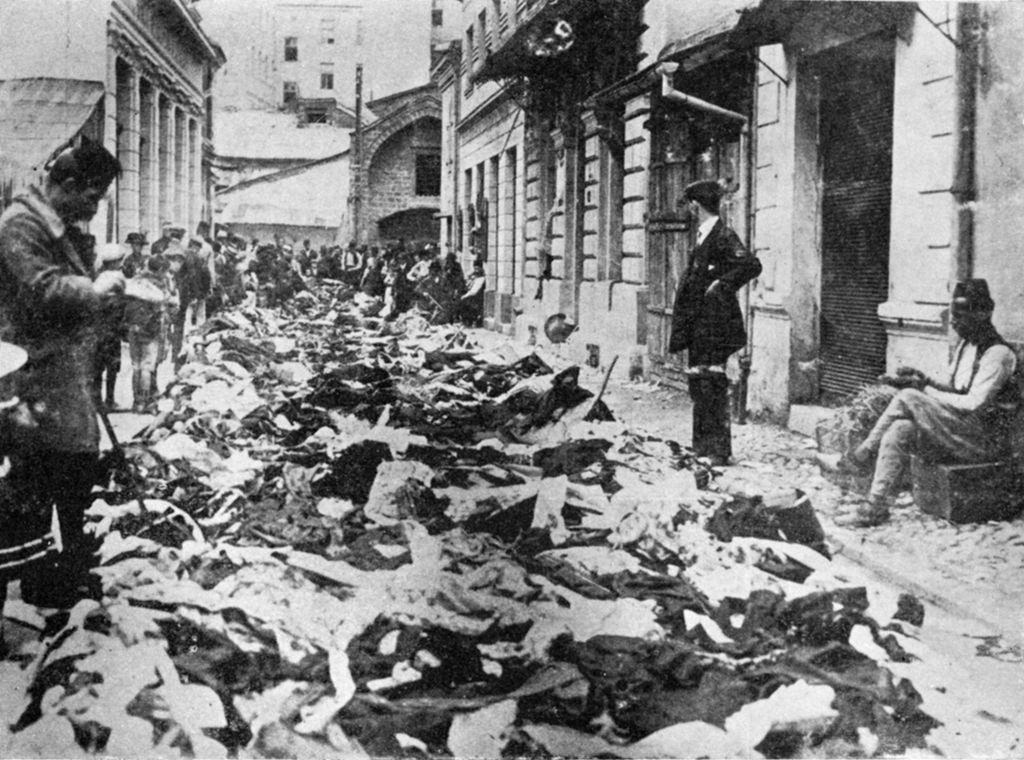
965,419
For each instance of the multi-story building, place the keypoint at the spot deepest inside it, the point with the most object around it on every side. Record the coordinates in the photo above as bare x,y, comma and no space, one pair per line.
514,155
869,148
247,31
134,74
303,53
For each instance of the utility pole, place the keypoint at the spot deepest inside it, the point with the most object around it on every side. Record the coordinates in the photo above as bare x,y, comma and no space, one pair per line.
357,160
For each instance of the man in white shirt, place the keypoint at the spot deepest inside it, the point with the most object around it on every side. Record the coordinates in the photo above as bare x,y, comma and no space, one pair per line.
965,419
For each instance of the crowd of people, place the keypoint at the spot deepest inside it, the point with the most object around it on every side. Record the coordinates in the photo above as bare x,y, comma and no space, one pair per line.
68,307
175,283
402,278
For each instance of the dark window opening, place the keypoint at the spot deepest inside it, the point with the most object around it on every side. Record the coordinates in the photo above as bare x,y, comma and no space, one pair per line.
326,80
291,92
428,174
437,18
317,117
291,48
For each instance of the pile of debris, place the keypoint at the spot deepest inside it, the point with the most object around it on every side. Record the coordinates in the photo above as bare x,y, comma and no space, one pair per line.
373,538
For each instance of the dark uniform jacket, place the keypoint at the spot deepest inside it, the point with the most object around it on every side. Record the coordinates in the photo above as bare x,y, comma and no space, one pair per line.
48,306
711,327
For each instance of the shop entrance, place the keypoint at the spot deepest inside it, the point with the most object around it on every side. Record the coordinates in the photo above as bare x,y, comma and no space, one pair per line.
855,152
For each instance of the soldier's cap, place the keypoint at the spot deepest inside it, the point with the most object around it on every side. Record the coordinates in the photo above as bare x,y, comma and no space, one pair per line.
135,238
707,192
973,295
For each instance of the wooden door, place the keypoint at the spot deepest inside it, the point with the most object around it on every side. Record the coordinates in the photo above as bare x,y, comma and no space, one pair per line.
684,148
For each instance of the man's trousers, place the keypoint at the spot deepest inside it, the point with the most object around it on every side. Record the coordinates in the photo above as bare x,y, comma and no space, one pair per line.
41,480
914,422
712,434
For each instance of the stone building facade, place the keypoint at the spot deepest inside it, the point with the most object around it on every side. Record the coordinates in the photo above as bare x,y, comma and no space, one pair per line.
396,183
868,148
863,230
484,170
156,67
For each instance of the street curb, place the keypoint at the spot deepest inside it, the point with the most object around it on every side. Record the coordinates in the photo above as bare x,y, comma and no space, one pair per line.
949,603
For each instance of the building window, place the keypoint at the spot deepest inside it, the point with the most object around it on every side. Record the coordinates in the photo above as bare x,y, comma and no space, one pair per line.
428,174
291,48
485,33
326,76
327,31
437,18
499,20
291,92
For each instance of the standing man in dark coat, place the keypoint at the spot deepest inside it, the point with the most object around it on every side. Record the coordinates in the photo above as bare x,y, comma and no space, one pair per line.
706,319
49,301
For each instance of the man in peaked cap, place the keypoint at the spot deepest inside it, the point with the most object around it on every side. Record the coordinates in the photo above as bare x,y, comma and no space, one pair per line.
965,417
707,321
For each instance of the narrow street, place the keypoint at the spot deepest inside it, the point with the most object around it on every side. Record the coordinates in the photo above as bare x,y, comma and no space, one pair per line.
449,305
279,598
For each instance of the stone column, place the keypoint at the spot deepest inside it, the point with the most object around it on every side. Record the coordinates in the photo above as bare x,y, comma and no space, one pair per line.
593,192
636,162
569,265
195,183
128,153
148,142
165,179
181,207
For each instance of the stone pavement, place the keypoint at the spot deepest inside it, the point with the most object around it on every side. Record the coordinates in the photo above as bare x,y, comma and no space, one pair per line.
972,570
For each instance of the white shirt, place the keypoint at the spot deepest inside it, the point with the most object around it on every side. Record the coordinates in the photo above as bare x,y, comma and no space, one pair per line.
476,284
705,228
994,370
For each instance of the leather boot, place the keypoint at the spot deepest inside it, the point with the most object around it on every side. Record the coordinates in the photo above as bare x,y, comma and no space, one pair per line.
149,382
111,384
719,432
698,397
138,391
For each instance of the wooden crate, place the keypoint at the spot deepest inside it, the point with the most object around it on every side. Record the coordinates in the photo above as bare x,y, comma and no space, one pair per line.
966,493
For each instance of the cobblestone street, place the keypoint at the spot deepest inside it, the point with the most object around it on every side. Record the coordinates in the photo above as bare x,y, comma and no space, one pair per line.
971,570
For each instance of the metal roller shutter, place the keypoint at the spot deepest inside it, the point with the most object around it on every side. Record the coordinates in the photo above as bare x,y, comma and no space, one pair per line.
856,134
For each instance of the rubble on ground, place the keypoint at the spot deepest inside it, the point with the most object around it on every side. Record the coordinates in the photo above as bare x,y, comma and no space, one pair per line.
363,537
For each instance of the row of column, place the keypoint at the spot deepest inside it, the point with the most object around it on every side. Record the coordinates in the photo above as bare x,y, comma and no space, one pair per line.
586,199
498,182
159,145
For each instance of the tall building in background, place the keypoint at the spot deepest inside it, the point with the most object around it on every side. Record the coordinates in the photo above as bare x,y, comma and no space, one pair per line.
445,17
288,54
249,77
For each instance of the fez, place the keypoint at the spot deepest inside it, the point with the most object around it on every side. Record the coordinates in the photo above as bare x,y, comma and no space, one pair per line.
973,295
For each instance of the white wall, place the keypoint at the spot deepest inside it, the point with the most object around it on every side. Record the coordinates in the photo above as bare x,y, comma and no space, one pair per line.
34,39
391,38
